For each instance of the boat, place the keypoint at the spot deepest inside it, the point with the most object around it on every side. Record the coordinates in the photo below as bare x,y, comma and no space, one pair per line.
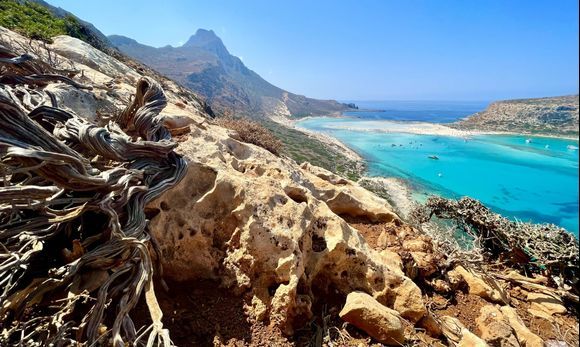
434,157
572,147
528,140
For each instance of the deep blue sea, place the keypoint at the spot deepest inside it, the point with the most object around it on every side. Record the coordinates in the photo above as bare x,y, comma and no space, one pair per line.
418,111
531,179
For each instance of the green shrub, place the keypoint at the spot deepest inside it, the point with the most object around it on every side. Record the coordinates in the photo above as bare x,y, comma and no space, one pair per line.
37,22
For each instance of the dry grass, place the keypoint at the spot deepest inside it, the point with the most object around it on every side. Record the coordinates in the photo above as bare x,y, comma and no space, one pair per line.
252,132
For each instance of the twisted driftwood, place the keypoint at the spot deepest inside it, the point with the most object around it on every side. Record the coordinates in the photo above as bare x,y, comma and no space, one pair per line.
536,247
75,254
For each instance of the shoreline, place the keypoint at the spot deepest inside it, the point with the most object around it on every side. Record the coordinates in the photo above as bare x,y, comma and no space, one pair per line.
401,192
423,128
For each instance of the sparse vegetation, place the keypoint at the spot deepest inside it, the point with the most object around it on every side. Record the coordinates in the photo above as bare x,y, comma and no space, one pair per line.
252,132
301,147
37,22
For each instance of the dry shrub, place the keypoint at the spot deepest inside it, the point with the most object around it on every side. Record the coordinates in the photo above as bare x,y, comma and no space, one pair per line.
252,132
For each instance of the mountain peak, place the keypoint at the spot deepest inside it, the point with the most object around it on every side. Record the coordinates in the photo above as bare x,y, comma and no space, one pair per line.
203,38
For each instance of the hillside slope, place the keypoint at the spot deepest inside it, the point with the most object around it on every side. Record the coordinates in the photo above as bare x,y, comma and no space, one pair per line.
541,116
204,65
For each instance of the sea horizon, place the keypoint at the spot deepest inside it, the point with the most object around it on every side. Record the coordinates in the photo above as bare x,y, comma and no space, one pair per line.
435,111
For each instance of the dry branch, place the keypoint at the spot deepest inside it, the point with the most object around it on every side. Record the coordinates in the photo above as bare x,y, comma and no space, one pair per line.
538,248
74,247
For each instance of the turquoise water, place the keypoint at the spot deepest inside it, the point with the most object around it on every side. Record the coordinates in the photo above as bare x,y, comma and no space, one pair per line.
517,178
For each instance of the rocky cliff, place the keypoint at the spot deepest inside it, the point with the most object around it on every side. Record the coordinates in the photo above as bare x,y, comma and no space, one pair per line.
204,65
542,116
246,248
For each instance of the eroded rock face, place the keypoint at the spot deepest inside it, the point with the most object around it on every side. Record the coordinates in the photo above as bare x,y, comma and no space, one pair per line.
260,224
486,288
265,226
367,314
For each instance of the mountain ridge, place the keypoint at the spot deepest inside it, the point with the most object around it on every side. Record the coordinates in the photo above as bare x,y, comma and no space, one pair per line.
205,65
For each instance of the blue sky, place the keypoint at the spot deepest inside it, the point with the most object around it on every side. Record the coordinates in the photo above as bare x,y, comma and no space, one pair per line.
372,50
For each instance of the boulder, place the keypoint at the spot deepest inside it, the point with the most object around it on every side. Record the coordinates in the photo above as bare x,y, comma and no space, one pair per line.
525,337
486,288
377,320
546,303
406,303
494,328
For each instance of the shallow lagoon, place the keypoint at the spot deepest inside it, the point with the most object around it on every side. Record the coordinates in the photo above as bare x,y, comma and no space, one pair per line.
515,177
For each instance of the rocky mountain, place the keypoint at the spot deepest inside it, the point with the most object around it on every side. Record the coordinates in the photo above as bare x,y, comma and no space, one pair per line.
204,65
543,116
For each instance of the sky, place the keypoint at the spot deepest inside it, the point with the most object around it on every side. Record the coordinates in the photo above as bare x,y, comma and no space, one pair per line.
372,50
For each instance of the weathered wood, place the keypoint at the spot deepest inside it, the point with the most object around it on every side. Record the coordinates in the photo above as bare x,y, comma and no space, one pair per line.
72,199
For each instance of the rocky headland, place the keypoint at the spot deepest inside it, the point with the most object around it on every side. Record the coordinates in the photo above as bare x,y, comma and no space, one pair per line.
552,116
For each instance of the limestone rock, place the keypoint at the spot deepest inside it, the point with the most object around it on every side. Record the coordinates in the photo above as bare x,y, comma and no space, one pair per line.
494,328
78,101
344,197
263,225
525,337
546,303
393,260
458,334
406,302
488,289
541,314
367,314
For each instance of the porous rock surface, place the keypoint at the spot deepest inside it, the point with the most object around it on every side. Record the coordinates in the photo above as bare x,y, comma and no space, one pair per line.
261,225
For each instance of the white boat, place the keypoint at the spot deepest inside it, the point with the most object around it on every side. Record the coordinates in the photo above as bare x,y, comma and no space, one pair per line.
572,147
528,140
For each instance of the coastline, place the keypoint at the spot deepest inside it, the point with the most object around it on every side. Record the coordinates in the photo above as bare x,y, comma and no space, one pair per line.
400,192
422,128
397,191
